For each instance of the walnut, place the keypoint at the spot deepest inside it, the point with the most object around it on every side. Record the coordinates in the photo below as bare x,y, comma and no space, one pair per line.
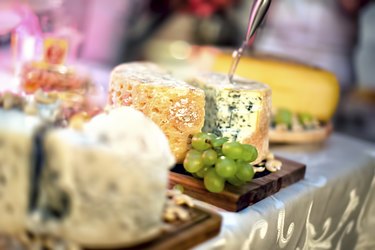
273,165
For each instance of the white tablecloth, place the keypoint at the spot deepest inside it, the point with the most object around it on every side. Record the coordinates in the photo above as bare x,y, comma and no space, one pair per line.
332,208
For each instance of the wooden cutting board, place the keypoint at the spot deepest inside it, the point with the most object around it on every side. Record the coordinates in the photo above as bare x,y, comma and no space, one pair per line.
237,198
203,225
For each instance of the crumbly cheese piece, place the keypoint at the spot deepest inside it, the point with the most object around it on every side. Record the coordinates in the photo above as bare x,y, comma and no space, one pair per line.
175,106
105,186
16,154
239,111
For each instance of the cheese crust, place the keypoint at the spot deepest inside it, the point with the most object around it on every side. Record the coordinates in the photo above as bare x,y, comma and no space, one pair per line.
175,106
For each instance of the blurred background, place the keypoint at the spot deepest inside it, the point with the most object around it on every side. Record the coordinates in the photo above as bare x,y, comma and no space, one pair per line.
336,35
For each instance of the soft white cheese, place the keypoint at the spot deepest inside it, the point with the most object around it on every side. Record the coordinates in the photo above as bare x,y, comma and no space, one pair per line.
105,186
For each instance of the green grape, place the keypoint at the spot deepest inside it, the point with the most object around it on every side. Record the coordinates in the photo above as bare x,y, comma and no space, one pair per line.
192,153
305,118
212,136
193,166
232,150
283,116
193,162
201,141
213,182
249,153
218,141
209,157
245,171
235,181
225,167
201,173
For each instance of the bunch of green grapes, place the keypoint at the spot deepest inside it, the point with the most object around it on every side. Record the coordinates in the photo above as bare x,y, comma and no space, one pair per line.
216,160
285,116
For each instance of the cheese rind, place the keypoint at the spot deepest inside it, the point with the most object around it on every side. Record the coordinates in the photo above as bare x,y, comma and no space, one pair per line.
239,111
175,106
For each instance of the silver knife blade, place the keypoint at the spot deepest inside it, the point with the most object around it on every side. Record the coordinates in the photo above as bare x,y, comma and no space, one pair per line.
257,14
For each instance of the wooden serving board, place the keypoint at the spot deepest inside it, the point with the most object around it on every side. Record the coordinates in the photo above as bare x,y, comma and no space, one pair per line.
237,198
203,225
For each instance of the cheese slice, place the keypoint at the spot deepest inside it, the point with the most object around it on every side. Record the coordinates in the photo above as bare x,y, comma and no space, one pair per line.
239,111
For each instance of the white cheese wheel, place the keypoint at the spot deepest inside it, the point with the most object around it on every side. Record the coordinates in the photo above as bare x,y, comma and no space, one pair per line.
106,186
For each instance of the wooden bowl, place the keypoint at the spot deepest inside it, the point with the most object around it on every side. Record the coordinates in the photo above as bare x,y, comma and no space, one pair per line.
301,137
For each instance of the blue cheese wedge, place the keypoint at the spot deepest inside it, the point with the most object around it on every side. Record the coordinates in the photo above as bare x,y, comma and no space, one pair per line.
17,132
239,111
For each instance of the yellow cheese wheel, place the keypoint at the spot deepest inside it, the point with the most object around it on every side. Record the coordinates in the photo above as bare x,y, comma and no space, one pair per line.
297,87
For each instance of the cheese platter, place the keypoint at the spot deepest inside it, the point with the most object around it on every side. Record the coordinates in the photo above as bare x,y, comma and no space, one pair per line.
301,137
297,128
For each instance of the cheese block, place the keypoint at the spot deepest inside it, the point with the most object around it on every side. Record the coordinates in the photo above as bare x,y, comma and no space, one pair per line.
105,186
239,111
17,131
295,86
176,107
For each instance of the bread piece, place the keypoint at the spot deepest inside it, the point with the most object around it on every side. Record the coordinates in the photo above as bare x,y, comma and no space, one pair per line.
239,111
16,153
106,186
175,106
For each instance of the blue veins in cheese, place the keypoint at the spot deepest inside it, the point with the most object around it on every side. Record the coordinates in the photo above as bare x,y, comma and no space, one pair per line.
239,111
16,151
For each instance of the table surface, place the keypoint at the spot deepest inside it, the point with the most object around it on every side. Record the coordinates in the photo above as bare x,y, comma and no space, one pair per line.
332,208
